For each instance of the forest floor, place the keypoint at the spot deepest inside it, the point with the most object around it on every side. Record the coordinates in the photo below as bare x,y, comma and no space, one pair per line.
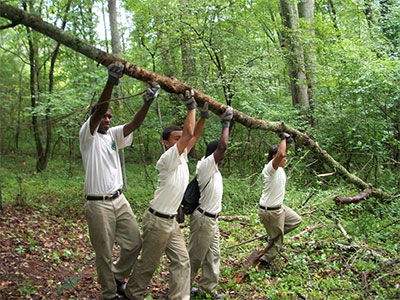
48,257
45,252
45,256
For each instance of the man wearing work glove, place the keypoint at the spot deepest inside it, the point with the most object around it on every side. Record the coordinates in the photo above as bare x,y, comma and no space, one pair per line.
204,249
108,213
277,218
161,231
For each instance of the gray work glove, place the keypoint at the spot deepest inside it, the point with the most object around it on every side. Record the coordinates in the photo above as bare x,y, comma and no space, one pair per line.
226,117
285,136
188,99
115,72
151,93
204,113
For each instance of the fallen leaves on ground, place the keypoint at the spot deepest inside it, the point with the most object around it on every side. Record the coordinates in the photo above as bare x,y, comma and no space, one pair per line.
47,257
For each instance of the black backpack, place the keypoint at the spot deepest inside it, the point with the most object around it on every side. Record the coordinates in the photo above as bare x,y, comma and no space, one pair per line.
191,196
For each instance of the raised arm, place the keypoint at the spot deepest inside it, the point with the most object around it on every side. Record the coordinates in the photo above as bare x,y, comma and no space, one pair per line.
188,127
114,74
280,156
148,98
225,118
198,130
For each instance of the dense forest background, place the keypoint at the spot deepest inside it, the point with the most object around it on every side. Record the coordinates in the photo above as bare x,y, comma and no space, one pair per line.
329,68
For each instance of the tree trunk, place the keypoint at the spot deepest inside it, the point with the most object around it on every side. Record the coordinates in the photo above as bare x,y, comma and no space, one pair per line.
116,50
189,70
172,85
291,40
42,153
115,38
306,12
32,83
188,66
18,129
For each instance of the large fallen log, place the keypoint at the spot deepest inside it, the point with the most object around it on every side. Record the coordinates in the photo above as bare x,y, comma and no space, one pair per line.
365,194
172,85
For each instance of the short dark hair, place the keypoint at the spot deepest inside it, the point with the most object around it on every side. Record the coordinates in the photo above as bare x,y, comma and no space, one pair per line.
167,131
211,147
272,151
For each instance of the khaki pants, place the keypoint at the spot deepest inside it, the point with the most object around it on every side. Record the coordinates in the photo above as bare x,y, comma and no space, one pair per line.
109,221
161,235
278,223
204,250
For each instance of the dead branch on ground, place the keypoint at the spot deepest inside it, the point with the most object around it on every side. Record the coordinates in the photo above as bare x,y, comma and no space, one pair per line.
365,194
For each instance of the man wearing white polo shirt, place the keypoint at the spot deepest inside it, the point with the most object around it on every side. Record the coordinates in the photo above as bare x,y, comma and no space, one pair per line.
204,249
108,213
161,231
277,218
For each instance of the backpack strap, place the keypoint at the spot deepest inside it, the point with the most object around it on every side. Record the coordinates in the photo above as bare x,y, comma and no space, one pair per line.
197,177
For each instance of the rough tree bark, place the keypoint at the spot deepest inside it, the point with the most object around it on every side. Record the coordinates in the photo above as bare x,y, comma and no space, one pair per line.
172,85
291,40
354,199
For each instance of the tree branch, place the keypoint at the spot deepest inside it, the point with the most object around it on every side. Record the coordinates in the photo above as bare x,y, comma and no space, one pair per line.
172,85
354,199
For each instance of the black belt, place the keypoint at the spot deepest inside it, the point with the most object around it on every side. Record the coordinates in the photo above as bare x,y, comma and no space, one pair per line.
207,214
158,214
270,208
104,197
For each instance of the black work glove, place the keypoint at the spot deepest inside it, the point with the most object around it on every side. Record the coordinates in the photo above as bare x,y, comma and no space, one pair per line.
188,99
204,113
151,93
226,117
285,136
115,72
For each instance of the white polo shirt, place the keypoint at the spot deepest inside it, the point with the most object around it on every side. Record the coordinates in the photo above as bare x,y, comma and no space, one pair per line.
173,177
274,186
100,158
210,184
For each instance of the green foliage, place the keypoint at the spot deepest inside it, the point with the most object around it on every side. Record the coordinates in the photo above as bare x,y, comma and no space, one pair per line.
237,54
320,264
